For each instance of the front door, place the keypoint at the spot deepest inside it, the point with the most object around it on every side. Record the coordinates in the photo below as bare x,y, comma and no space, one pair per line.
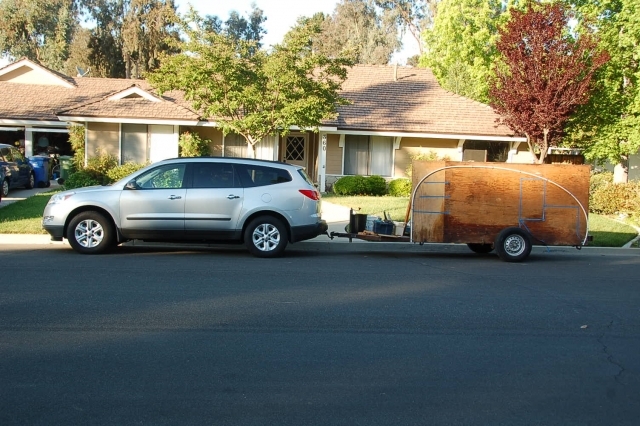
295,149
153,206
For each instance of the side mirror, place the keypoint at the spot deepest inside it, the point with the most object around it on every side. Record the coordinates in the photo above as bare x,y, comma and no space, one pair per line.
131,185
60,181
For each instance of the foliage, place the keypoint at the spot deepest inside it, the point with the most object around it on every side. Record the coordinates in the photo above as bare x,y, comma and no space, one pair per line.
428,156
255,93
543,74
412,15
40,30
400,187
360,185
146,26
608,126
460,47
359,31
129,35
238,27
598,179
77,139
99,166
81,179
611,198
192,145
123,170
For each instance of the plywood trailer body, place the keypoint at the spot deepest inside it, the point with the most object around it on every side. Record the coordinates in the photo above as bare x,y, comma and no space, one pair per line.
475,203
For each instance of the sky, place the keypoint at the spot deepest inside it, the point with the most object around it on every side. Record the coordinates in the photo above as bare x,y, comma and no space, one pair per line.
281,16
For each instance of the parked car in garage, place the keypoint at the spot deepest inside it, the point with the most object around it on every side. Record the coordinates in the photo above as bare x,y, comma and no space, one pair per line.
18,172
263,204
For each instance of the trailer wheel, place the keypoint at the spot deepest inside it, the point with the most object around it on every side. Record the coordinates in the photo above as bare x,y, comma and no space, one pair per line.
480,248
513,245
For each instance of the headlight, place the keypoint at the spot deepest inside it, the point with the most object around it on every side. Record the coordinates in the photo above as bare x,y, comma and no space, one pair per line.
59,198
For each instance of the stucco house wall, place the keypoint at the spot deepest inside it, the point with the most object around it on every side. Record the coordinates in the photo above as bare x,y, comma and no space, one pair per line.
103,138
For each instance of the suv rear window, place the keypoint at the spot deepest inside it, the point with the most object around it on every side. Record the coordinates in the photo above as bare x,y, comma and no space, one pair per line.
253,175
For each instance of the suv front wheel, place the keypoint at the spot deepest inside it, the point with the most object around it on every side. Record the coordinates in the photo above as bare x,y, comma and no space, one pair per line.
90,233
266,236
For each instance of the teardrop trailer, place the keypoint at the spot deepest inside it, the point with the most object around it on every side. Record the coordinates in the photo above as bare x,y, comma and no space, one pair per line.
504,207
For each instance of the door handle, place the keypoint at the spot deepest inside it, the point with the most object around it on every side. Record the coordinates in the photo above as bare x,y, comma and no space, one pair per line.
175,197
231,196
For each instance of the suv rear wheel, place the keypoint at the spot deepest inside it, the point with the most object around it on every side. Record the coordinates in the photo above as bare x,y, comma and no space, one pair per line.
266,236
5,187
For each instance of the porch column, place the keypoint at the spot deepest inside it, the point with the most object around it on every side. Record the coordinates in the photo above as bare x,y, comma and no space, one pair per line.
28,142
461,149
512,151
322,163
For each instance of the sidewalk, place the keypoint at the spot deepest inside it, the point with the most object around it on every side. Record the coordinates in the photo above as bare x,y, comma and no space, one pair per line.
23,194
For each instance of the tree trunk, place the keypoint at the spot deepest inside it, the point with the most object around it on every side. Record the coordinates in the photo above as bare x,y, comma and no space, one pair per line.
621,171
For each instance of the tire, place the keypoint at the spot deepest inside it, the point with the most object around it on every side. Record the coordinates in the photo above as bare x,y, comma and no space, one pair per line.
513,245
31,183
266,236
91,233
5,187
480,248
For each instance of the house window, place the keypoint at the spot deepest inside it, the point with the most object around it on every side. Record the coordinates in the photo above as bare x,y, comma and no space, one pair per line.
368,155
134,143
235,146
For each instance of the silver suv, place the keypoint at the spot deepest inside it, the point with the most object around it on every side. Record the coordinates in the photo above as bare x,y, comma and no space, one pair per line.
263,204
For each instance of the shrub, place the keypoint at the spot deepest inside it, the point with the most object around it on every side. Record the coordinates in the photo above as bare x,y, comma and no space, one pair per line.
80,179
611,198
77,141
400,187
599,179
360,185
350,185
192,145
430,156
376,185
100,165
123,170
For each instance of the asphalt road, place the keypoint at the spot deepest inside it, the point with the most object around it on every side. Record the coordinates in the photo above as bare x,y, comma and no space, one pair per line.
331,334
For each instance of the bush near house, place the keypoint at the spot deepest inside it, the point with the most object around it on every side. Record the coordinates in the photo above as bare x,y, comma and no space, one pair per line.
101,170
192,145
606,197
360,185
400,187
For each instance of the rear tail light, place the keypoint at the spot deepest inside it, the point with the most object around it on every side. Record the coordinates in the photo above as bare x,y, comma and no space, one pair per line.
310,193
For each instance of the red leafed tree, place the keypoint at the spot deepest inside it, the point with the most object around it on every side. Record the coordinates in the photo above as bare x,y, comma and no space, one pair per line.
543,74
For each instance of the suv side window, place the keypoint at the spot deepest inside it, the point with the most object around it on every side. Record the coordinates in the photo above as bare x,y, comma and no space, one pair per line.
214,175
254,175
169,176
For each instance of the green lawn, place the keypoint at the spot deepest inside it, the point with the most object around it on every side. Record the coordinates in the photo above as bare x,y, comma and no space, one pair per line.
24,217
606,232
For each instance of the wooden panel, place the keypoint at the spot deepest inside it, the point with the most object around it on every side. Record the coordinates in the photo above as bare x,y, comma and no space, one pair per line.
428,220
481,199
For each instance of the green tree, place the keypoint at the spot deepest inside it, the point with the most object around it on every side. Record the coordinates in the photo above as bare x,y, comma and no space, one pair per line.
238,27
128,36
40,30
414,16
608,127
460,47
360,31
543,74
254,93
147,25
